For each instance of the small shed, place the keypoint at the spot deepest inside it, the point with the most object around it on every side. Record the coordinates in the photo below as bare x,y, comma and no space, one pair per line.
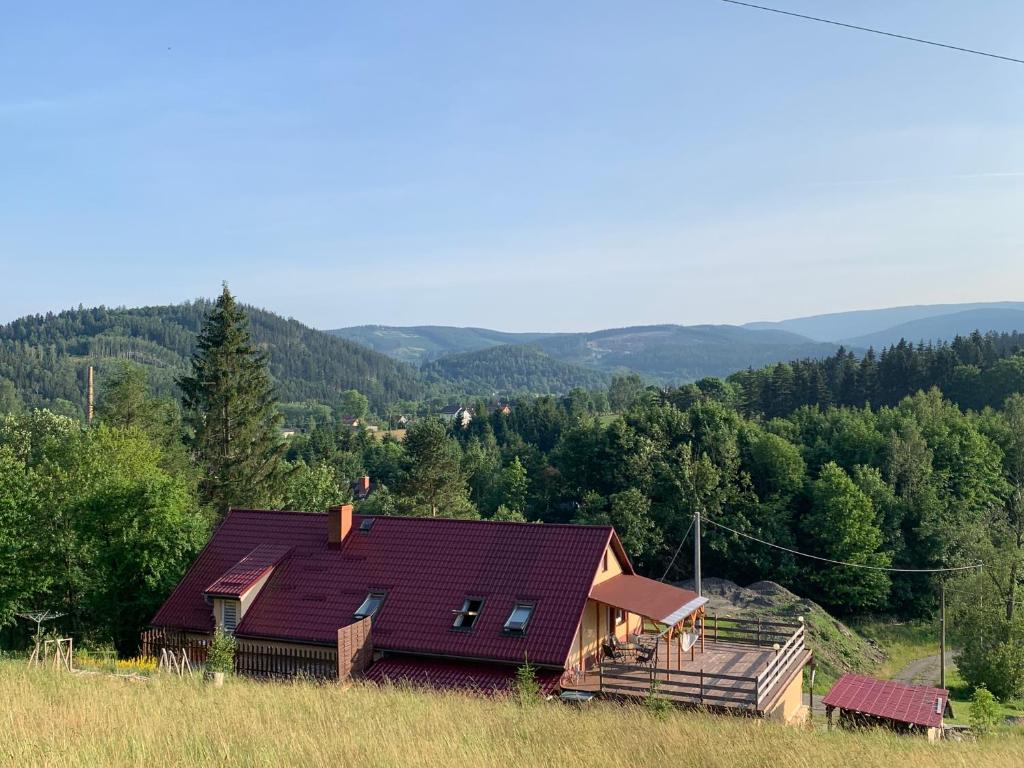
865,702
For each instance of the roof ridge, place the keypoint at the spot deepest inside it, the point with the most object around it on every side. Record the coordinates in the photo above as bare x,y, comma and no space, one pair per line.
533,523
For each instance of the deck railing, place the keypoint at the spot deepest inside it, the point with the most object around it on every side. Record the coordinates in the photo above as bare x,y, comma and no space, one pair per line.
718,689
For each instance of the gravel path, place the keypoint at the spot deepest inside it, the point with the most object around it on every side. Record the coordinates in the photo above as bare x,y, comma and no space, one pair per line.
924,671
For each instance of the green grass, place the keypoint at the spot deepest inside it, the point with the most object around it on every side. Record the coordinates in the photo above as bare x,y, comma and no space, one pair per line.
61,720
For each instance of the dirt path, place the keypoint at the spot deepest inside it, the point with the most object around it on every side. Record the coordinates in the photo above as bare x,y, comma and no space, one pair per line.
924,671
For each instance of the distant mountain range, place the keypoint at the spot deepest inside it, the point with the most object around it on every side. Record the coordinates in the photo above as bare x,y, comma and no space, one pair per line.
887,326
45,356
676,353
663,353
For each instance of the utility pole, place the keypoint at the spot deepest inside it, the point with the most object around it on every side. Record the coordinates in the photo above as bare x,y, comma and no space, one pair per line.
942,638
90,392
696,550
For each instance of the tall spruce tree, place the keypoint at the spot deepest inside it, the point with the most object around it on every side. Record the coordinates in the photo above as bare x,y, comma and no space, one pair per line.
230,404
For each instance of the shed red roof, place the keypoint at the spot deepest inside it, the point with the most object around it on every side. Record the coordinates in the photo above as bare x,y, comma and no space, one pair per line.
889,699
441,673
244,574
426,566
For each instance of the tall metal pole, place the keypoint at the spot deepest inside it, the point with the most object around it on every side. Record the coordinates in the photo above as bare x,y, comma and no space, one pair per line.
89,395
942,639
696,550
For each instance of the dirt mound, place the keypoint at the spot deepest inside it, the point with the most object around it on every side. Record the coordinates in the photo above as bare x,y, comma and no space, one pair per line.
837,648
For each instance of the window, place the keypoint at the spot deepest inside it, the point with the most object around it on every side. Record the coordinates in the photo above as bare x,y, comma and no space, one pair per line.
371,605
229,616
366,525
620,616
466,617
519,618
604,565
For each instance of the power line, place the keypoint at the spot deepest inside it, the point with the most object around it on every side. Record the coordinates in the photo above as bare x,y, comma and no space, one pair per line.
678,550
840,562
873,31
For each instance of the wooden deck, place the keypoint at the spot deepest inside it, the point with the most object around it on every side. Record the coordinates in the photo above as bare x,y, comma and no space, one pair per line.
726,674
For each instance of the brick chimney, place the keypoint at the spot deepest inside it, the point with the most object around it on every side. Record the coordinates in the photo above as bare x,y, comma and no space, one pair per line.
363,486
339,523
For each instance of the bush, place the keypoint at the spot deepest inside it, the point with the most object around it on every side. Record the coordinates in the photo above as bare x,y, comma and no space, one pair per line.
220,654
656,704
984,711
526,686
993,658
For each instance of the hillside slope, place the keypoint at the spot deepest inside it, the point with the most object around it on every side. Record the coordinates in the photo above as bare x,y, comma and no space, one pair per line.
945,327
835,326
512,369
677,353
423,343
259,724
662,353
46,355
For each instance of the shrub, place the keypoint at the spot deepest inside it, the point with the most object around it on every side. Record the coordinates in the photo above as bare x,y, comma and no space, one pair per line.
984,711
220,654
993,657
655,703
526,686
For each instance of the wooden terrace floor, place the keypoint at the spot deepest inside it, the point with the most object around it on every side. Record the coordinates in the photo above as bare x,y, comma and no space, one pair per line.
722,658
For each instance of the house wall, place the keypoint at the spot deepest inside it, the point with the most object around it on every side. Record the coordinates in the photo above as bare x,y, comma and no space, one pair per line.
790,708
594,626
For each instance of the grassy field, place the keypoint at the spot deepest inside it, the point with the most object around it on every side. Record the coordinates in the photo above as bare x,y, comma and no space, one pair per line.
53,719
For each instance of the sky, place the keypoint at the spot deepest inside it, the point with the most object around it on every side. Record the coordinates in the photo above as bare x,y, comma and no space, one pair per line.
522,166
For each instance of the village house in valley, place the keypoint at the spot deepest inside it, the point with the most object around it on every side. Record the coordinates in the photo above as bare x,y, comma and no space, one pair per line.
462,604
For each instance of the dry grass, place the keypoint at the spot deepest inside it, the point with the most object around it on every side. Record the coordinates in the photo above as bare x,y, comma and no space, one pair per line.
52,719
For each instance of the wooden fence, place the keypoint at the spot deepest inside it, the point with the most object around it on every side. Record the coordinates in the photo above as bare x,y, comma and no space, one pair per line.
272,661
759,632
263,660
682,686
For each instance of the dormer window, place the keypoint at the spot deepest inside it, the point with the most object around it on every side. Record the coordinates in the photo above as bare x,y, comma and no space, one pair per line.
466,616
371,605
229,616
519,618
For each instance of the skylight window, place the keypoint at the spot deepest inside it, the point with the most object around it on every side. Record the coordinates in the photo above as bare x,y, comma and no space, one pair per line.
466,617
366,525
371,605
519,618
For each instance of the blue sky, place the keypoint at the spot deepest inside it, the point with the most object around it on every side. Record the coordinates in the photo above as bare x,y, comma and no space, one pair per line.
526,166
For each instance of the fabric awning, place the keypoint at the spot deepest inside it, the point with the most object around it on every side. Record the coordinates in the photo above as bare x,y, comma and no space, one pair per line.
646,597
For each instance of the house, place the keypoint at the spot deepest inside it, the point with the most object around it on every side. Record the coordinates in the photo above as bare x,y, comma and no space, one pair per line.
399,422
362,488
289,432
504,409
351,422
456,415
455,604
868,702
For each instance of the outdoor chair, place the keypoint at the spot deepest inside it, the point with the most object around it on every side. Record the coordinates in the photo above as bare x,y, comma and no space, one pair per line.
646,654
613,650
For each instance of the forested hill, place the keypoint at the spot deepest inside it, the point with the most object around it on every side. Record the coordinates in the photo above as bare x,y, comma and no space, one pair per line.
45,356
422,343
973,371
512,370
660,353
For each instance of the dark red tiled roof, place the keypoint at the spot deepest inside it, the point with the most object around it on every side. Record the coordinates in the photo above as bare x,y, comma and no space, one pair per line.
467,676
427,567
241,577
889,699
